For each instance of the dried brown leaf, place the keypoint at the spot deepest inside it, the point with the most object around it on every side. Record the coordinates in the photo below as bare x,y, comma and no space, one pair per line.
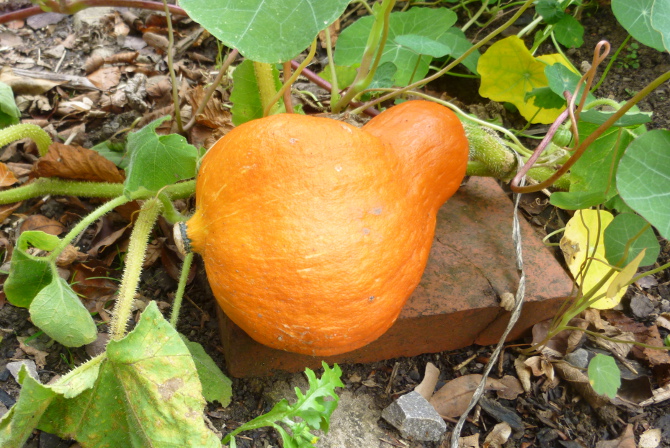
105,78
20,169
75,162
105,241
93,281
626,440
469,441
580,382
498,436
427,385
7,210
70,255
42,223
540,366
453,398
39,356
7,178
512,390
523,372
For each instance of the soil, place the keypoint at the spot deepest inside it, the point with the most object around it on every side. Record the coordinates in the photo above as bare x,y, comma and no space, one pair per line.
554,417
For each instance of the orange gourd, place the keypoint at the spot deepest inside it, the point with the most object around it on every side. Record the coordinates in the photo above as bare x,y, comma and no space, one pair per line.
314,232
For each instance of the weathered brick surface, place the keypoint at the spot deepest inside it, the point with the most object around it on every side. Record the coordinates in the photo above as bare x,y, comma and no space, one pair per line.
456,304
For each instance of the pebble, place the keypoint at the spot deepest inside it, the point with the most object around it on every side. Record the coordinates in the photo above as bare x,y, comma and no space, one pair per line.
415,418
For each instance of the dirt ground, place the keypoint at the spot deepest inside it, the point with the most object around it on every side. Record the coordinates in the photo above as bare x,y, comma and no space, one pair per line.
555,417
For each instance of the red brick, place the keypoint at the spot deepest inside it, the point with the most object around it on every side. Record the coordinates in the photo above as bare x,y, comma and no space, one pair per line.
456,304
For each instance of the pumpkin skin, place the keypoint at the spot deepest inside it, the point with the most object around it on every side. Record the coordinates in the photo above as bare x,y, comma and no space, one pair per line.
313,232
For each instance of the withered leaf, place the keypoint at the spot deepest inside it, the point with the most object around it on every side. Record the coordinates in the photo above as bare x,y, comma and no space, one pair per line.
105,78
75,162
453,398
41,222
498,436
7,210
7,178
626,440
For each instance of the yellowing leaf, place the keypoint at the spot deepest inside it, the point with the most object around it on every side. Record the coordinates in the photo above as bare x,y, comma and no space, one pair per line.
508,72
551,59
582,232
619,283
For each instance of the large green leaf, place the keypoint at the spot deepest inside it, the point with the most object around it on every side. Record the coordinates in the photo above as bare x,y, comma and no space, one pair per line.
28,274
619,234
643,178
429,23
158,160
215,385
147,393
569,32
265,30
660,21
509,72
636,17
593,177
18,424
57,311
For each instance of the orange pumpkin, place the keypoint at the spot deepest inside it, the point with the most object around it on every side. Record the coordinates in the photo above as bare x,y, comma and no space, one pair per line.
314,232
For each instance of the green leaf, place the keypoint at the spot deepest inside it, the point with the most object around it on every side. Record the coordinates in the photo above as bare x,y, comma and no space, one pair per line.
569,32
245,97
147,393
593,176
265,30
18,424
637,17
576,200
423,45
660,21
508,72
9,113
628,119
28,274
643,178
158,160
312,410
215,385
624,227
383,77
455,39
57,310
561,78
114,152
545,98
425,22
550,10
604,375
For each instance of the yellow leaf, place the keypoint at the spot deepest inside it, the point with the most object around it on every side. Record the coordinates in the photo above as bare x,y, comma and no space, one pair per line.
551,59
619,283
579,246
508,72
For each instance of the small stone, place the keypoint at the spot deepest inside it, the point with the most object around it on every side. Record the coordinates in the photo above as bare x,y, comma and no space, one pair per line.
4,375
415,418
641,306
91,17
15,366
45,19
578,358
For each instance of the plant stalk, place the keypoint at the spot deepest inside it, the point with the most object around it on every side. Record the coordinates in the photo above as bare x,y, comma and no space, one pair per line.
139,240
25,130
181,287
266,86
